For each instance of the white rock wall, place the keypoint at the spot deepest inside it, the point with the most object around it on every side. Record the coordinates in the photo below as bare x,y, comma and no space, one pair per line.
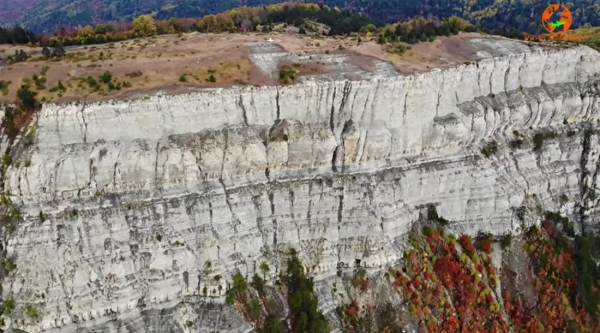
164,185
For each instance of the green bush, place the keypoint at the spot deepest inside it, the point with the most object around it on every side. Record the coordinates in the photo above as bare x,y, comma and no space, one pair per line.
29,138
4,87
255,309
303,303
490,149
258,283
239,283
516,144
400,49
182,78
6,160
540,137
92,83
432,213
106,77
212,79
40,82
30,311
8,264
27,98
8,305
521,211
506,240
427,230
229,299
287,74
358,277
272,325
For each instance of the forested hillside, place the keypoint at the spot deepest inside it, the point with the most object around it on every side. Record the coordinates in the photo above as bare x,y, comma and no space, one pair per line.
522,15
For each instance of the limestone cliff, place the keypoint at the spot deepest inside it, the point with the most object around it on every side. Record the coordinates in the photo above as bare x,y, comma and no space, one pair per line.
147,200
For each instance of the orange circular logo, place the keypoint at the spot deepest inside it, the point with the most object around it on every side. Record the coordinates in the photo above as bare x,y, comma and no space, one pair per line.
556,18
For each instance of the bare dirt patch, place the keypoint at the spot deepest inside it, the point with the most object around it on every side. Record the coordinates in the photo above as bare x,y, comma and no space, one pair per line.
162,61
443,52
362,62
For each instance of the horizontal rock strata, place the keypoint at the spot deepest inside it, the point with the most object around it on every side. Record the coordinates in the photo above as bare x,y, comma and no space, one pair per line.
147,200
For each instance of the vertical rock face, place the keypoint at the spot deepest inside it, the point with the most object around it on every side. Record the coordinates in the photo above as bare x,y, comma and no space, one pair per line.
148,200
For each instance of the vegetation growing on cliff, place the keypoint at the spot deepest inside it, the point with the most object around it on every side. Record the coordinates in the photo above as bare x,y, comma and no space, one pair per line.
303,303
452,285
16,119
260,304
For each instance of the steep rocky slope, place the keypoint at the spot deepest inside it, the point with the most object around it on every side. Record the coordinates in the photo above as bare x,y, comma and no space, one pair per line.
140,197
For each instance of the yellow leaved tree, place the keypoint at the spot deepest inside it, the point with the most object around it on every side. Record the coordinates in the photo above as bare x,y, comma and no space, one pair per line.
144,26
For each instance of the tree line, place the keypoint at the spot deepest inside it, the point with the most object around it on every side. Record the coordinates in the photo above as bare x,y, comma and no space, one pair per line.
421,30
503,15
17,35
236,20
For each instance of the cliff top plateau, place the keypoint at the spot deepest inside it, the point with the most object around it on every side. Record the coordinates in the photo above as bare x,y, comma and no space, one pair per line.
193,61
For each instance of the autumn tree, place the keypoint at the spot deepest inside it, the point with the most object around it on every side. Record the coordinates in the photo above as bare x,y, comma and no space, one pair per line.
85,32
144,26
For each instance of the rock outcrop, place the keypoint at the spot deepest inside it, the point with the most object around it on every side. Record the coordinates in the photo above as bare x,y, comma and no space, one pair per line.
147,200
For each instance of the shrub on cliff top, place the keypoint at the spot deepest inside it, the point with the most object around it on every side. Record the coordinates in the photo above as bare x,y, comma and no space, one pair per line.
287,74
27,98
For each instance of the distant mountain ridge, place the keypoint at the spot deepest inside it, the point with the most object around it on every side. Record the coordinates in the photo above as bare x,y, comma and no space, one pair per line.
46,15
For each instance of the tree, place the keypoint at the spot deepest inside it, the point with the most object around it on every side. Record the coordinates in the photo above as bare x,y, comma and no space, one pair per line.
106,77
368,28
85,33
59,51
302,301
239,282
46,52
272,325
27,98
54,42
144,26
264,268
